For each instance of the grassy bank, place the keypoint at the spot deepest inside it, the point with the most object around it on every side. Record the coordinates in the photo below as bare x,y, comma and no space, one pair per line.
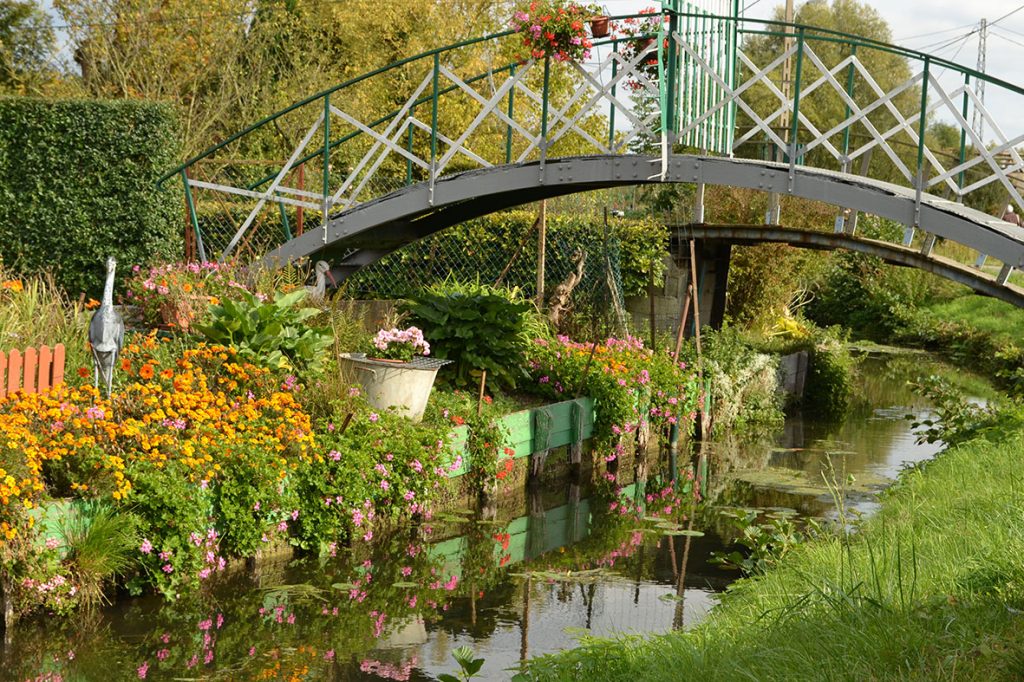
932,587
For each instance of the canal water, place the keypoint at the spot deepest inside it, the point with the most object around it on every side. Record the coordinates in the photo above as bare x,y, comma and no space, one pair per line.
527,583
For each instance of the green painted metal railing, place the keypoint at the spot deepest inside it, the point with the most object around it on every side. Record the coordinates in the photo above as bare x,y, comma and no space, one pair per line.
700,86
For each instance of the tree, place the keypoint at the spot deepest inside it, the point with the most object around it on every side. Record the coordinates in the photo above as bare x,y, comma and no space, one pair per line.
26,41
824,107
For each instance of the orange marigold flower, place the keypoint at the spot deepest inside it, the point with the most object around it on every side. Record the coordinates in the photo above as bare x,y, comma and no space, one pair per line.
14,285
83,372
126,365
146,371
92,304
167,374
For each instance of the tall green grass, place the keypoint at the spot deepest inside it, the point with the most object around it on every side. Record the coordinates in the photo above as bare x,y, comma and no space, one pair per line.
985,314
38,312
101,544
931,588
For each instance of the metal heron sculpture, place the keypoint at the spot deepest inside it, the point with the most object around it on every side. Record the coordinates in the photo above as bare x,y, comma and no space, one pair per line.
106,332
319,290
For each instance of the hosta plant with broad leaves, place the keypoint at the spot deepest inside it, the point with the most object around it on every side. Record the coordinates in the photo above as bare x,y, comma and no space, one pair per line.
273,333
477,326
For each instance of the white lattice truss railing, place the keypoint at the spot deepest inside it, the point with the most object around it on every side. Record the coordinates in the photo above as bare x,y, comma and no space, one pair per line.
599,88
943,102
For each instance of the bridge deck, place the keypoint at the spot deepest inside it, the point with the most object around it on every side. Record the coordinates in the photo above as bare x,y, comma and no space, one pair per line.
375,228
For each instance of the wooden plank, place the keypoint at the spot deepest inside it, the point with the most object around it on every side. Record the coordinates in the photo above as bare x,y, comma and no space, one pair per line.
45,368
30,363
3,374
57,373
13,371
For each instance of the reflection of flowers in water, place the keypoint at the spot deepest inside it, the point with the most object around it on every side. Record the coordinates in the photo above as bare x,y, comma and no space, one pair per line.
389,671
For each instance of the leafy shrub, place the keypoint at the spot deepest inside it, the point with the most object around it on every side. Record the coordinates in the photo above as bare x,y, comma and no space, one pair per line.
78,183
633,387
479,327
742,380
272,333
958,420
863,292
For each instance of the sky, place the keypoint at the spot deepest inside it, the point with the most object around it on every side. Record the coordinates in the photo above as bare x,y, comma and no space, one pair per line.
930,26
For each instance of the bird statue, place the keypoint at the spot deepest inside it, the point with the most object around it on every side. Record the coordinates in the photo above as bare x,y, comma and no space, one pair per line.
319,290
106,332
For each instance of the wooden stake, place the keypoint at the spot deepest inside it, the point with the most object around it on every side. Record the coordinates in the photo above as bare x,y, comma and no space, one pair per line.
650,296
684,317
542,236
480,400
696,296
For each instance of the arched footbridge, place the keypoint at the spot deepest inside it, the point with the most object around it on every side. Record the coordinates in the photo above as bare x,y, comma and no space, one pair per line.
684,95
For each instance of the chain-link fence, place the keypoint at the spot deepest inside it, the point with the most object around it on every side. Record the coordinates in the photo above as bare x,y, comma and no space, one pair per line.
582,276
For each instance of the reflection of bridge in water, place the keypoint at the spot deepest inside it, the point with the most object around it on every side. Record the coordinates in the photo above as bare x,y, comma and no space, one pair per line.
475,132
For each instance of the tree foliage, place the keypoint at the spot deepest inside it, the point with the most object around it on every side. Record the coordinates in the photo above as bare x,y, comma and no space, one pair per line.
26,39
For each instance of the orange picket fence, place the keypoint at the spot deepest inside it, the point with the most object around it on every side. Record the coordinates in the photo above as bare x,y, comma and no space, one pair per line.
33,371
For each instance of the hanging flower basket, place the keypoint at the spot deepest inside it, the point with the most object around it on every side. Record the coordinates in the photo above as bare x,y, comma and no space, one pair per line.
600,26
554,28
638,34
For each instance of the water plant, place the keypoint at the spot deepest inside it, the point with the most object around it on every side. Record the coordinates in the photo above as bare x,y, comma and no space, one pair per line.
99,541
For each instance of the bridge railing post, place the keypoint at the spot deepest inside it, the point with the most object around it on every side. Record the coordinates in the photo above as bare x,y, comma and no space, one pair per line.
544,116
326,185
908,235
611,114
433,125
795,122
192,215
511,116
963,138
408,146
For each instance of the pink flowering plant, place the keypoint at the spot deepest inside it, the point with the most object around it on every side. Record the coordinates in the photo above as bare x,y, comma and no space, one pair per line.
637,34
554,28
180,294
400,344
636,389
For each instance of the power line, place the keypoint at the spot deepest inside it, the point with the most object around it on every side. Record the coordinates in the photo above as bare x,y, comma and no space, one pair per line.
945,42
935,33
1010,30
980,27
1007,15
1007,38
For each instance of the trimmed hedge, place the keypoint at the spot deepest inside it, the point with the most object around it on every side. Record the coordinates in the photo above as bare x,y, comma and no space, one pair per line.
78,182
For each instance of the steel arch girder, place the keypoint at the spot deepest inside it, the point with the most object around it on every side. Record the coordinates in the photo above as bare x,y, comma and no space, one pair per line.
387,223
895,254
